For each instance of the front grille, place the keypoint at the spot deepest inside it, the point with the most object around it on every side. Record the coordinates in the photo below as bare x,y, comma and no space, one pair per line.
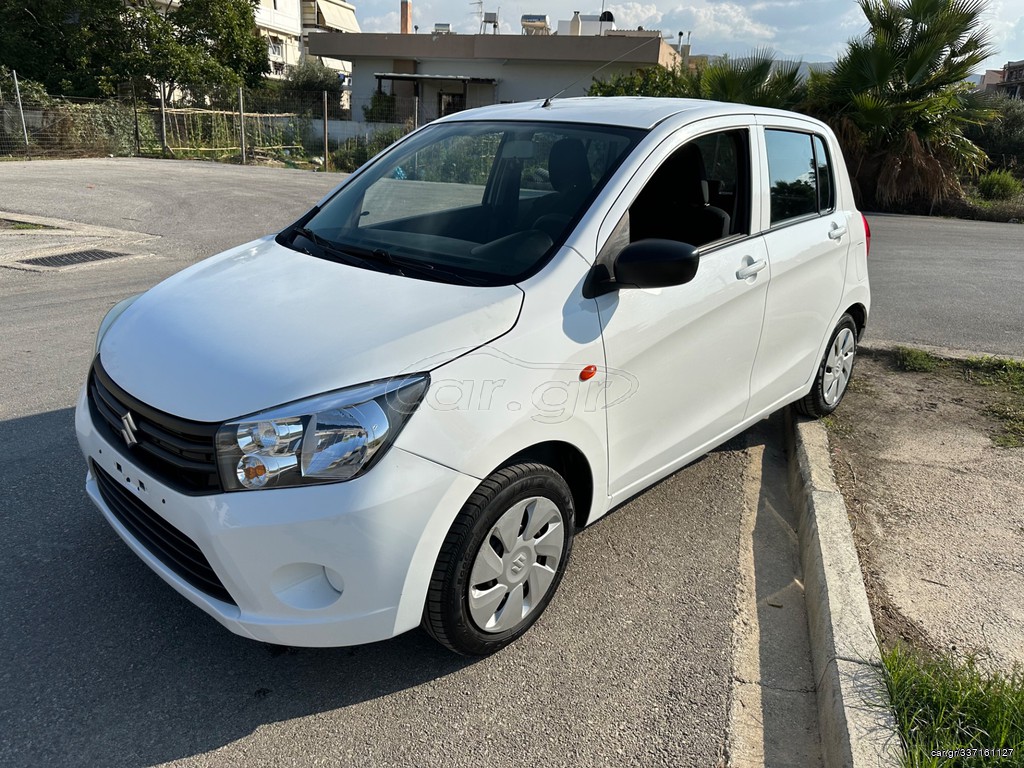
165,542
179,452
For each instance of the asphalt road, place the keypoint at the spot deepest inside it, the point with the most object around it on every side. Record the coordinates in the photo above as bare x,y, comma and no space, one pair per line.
103,664
947,283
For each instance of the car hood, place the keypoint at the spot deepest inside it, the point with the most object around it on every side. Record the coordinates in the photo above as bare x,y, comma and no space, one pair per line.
262,325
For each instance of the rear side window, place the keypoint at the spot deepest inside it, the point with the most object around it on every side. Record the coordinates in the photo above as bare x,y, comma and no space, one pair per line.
800,174
826,185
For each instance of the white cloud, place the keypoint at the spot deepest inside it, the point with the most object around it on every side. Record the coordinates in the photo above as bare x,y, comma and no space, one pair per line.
1007,44
633,15
389,22
722,22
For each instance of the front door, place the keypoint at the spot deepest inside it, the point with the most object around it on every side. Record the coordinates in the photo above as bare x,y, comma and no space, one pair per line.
691,347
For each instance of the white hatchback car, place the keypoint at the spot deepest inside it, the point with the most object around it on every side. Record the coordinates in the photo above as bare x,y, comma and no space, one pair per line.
399,410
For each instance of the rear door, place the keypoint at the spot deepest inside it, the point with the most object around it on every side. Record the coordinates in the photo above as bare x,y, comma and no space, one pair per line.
807,236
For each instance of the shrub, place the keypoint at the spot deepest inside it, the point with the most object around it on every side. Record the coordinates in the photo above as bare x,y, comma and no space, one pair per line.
357,150
917,360
381,109
999,185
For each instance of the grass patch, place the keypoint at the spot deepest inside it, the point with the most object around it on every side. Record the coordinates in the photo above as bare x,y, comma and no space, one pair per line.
835,426
1012,417
8,224
996,371
1007,375
1001,373
917,360
950,702
979,209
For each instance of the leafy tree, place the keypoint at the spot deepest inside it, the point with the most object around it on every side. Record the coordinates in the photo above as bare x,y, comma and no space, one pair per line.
70,46
226,31
88,47
649,81
899,102
311,75
756,79
31,91
1003,138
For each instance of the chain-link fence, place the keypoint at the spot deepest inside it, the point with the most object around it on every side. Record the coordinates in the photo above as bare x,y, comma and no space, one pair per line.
270,126
66,128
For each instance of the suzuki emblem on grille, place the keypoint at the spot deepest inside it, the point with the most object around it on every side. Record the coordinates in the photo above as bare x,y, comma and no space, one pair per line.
128,431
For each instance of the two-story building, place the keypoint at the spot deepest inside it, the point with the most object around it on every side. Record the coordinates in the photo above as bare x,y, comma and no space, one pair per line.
430,75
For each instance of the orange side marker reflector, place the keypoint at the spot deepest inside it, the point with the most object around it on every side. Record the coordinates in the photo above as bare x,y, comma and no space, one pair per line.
588,373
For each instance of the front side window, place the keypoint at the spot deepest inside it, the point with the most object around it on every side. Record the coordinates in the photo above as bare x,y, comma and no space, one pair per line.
478,202
800,174
699,195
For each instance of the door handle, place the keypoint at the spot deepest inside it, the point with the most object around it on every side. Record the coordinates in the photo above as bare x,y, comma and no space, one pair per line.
837,232
751,269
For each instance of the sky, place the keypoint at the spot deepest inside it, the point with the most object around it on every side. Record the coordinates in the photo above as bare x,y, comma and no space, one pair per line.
809,30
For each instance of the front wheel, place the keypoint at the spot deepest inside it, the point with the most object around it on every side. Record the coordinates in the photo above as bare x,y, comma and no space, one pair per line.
501,561
834,373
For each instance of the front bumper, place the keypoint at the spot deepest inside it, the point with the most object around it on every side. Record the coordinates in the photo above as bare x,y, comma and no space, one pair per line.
324,565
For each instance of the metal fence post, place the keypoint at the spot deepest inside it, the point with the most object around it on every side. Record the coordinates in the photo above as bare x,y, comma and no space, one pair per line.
415,112
21,110
327,157
163,123
241,120
135,110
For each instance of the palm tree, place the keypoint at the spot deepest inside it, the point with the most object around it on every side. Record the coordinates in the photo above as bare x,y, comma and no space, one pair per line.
756,79
899,101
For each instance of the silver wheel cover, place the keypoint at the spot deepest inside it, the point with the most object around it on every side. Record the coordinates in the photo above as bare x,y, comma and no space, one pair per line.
838,366
516,564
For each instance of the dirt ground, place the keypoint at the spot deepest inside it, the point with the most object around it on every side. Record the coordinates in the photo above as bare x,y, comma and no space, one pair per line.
937,508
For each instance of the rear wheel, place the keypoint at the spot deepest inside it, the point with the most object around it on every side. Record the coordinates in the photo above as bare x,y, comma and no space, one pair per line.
834,372
501,561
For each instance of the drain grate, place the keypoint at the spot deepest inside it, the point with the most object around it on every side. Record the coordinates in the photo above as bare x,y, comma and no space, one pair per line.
70,259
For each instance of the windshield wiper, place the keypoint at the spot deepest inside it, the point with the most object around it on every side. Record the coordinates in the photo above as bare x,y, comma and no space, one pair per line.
404,266
342,253
380,256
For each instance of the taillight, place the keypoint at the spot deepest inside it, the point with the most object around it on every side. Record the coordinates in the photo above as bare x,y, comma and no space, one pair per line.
867,235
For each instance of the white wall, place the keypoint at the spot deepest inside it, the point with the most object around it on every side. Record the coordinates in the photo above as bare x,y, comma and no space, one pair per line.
517,80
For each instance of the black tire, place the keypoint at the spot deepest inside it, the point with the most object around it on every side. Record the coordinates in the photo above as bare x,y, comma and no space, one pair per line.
447,615
816,403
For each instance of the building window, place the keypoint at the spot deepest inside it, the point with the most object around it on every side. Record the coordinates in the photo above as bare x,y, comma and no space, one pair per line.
277,67
449,103
275,46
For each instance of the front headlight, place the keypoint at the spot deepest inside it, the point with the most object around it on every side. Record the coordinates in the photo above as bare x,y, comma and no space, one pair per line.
325,439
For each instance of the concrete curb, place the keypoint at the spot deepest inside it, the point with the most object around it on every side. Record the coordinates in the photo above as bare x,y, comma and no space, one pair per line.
856,724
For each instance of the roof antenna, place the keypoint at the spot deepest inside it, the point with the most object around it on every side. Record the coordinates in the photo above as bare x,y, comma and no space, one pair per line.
549,99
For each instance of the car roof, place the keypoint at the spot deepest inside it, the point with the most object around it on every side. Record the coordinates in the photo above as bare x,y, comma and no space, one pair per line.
626,111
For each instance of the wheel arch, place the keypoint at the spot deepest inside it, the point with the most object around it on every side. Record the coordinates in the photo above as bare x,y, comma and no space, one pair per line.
570,462
859,313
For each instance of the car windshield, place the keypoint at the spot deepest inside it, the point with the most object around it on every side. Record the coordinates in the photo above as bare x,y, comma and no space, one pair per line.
483,203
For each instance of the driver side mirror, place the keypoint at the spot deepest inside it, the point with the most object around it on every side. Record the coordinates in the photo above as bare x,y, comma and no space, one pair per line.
645,264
